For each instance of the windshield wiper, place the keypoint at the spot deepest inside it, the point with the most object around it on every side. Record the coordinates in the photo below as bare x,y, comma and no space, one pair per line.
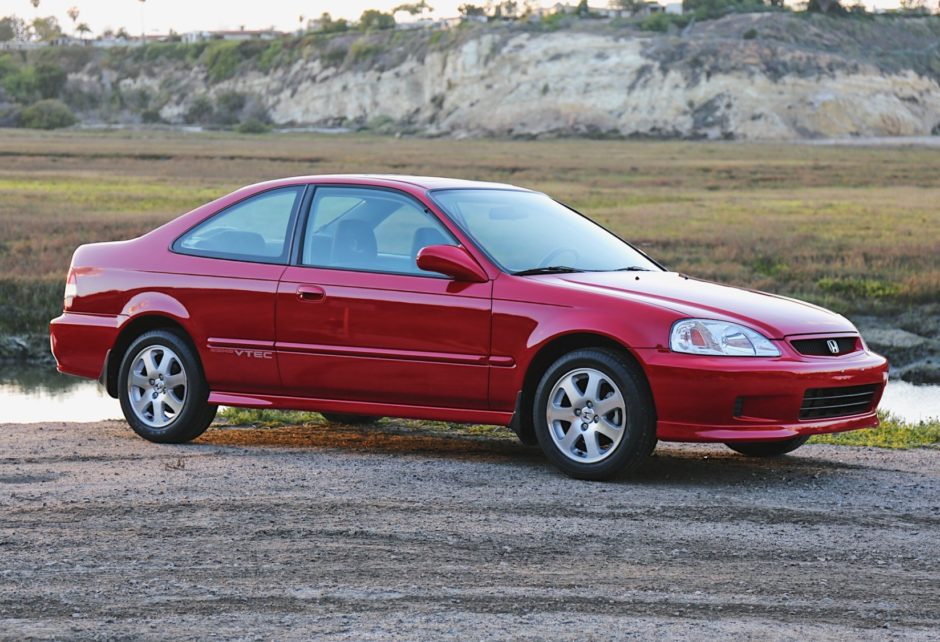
550,269
632,268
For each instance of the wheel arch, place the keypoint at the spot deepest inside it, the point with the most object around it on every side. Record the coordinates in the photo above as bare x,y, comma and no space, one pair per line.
132,329
549,352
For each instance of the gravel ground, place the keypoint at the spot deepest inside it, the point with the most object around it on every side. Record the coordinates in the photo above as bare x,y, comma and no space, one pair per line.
392,534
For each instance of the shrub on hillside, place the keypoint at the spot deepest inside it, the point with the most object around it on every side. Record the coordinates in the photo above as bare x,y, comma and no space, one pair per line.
221,59
200,111
661,22
363,50
50,80
7,65
167,51
253,126
556,21
47,114
228,108
27,83
382,124
151,116
271,55
334,56
80,99
70,58
20,84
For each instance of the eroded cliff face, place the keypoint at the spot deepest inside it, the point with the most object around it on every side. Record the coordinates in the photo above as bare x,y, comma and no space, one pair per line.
577,83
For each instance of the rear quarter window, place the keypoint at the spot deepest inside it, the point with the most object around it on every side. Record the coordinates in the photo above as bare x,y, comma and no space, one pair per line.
255,229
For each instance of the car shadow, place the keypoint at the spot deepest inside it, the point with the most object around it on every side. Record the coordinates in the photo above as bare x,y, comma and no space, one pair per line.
671,464
386,437
703,465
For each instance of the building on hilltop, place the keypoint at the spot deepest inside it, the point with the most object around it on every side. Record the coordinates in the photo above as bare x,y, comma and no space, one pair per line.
235,34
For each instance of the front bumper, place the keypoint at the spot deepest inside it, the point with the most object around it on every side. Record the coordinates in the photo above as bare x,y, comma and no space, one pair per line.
80,342
722,399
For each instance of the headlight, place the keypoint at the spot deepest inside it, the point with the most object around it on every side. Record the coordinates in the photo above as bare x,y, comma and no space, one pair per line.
704,336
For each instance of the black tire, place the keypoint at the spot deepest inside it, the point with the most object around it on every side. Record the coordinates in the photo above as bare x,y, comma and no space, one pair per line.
638,420
768,448
349,420
195,413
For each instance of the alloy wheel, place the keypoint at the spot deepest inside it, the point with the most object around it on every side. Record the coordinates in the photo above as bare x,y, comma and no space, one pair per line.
157,386
586,415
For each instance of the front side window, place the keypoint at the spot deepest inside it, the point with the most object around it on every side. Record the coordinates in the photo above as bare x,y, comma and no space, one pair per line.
527,231
370,230
255,229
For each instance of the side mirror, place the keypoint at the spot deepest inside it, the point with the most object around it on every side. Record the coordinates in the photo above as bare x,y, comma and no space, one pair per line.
453,261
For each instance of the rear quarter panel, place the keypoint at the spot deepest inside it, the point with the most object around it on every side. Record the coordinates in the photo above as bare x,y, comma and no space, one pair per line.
225,306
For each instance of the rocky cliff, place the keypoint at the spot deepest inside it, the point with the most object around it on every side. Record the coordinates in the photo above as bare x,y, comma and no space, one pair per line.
759,76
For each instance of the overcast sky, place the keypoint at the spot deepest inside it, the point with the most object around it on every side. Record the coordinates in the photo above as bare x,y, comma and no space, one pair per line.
159,16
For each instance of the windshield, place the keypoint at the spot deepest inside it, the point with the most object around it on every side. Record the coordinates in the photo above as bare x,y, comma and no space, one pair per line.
528,232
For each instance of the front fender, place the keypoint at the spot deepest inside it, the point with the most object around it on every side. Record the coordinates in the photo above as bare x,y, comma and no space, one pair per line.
523,330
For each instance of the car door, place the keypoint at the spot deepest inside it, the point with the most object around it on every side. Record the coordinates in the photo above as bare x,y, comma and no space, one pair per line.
225,273
357,319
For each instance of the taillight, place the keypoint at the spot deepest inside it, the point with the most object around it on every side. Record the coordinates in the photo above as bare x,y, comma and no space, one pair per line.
71,290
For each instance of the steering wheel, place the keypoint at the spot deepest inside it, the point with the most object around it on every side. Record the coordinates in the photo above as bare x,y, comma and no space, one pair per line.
551,257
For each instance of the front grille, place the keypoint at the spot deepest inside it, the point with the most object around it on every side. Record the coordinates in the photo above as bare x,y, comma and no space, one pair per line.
820,347
824,403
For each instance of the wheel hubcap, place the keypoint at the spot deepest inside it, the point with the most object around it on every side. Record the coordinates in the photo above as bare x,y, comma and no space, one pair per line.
586,415
156,386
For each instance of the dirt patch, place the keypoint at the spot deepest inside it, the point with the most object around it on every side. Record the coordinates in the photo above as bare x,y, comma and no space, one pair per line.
385,533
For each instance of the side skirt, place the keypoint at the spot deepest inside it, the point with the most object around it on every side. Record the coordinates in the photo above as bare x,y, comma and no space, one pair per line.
458,415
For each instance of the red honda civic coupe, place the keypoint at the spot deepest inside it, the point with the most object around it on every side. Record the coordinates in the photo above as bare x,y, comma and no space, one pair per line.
433,298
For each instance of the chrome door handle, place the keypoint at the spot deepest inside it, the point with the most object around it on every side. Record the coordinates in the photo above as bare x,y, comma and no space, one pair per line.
310,293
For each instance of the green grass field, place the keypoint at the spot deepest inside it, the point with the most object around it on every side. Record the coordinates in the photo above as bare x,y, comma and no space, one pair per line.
855,229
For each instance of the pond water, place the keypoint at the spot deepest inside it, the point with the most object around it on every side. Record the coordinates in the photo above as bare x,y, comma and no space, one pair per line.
40,394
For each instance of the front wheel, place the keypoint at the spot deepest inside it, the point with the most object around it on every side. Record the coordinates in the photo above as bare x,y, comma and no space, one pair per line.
768,448
594,416
162,390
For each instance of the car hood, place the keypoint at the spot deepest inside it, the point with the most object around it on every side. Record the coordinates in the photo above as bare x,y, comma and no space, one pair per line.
774,316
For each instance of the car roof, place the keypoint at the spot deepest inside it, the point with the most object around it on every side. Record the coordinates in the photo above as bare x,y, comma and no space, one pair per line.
391,180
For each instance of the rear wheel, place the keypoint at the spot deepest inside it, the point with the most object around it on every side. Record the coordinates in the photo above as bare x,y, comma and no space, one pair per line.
594,416
351,420
768,448
162,390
